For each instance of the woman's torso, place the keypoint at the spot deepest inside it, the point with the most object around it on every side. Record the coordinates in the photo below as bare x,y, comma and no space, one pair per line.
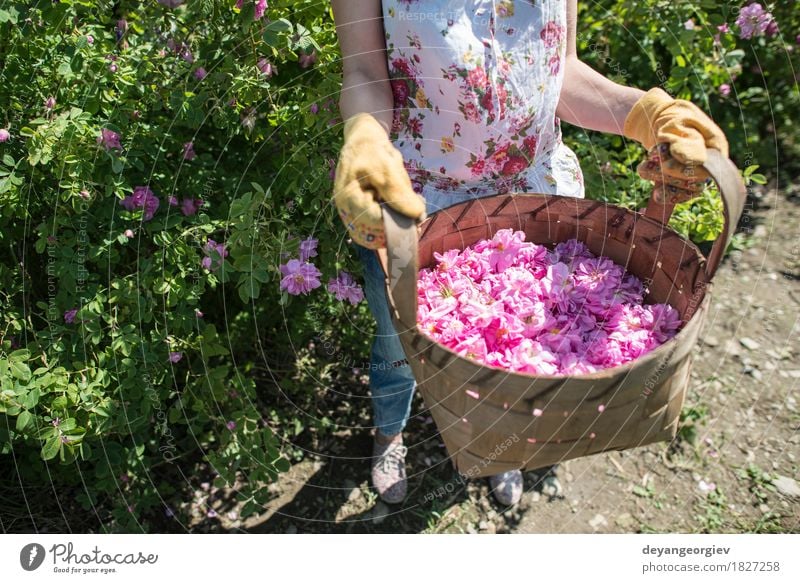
476,84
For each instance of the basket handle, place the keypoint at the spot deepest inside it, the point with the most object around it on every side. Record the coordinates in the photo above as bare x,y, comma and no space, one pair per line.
732,190
402,265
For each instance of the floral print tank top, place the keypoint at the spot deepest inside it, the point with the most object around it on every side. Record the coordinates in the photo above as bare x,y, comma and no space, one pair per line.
476,84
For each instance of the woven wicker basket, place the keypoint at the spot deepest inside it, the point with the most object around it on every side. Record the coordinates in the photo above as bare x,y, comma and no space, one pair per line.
485,415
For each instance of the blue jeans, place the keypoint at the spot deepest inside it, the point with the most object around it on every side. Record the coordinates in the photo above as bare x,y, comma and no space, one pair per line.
391,381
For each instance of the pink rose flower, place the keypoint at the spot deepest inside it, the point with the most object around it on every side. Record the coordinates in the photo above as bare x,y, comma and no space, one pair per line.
754,21
188,151
299,277
402,66
511,304
215,254
307,60
344,287
69,316
190,206
142,198
308,248
471,112
554,64
265,67
109,139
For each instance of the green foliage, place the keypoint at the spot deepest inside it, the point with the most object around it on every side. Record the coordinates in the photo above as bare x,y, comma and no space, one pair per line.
713,508
102,393
691,419
648,43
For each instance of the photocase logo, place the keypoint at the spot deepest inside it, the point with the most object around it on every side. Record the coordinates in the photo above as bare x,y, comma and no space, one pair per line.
31,556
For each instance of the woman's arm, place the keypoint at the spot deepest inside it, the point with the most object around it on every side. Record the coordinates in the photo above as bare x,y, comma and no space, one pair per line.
588,99
365,83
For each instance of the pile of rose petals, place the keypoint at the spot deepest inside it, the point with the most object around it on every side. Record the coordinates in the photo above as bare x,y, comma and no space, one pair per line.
515,305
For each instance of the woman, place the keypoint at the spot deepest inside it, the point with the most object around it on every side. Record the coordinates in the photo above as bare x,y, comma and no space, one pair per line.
446,101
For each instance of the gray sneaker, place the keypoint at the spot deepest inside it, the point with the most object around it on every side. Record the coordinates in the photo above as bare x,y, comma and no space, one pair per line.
507,487
389,470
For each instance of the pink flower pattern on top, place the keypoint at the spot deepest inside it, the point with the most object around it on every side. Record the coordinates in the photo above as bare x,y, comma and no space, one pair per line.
476,85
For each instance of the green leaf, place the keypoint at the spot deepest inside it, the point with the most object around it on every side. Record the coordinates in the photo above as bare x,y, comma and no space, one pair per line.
31,399
64,69
67,425
23,420
280,25
210,344
274,29
46,431
20,355
282,465
736,54
21,371
101,410
240,205
9,15
305,42
244,292
51,447
261,275
248,508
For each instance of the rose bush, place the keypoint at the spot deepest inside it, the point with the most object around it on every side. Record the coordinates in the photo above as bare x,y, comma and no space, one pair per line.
158,161
165,181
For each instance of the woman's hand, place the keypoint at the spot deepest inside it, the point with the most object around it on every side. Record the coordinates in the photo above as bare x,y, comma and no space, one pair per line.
657,118
370,170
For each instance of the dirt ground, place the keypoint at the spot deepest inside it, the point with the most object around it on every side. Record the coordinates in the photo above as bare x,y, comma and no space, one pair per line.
732,468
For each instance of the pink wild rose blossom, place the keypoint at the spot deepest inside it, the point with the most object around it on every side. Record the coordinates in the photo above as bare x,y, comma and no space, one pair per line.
109,139
142,198
344,287
753,21
299,277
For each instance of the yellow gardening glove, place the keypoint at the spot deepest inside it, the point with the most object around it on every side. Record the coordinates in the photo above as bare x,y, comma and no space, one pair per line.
370,170
666,190
658,118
